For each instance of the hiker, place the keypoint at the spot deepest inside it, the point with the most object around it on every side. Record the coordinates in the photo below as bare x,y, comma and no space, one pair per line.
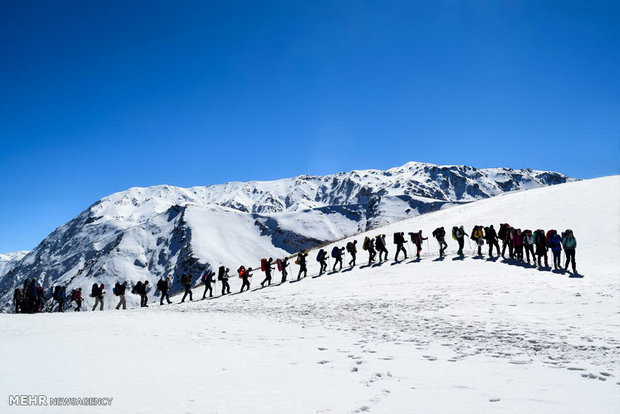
458,234
570,244
555,243
207,279
120,290
76,295
321,257
31,296
143,298
369,246
399,241
97,292
380,246
352,249
186,281
477,237
25,305
40,300
244,275
225,277
60,296
267,267
540,241
517,244
417,239
491,237
337,253
504,234
301,261
17,300
528,245
163,285
440,234
282,265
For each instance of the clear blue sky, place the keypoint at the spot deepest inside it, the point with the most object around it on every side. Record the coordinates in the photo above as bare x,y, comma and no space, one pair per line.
100,96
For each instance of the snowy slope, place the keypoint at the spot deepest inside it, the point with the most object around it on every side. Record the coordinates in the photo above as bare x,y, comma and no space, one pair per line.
147,233
458,336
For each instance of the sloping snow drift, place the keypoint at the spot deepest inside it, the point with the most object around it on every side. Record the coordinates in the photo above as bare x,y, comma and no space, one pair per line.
464,336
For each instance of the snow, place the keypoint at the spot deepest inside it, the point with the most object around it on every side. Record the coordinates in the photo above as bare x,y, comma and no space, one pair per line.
431,336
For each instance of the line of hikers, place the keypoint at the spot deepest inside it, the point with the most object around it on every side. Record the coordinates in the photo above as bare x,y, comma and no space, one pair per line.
533,243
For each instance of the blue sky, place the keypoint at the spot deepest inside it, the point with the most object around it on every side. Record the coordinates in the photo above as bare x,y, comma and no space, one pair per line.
97,97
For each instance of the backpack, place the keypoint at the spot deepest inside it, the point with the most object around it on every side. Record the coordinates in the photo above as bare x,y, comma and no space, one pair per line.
350,247
94,291
366,242
335,252
74,294
263,264
548,235
319,255
454,232
220,273
415,238
241,271
476,232
115,290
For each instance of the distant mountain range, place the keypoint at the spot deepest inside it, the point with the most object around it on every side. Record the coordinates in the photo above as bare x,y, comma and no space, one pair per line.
147,233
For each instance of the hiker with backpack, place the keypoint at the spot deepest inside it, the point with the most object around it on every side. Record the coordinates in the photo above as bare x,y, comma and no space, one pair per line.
352,249
120,290
555,243
60,296
76,295
301,261
517,244
440,234
458,234
207,279
477,237
186,281
267,267
163,285
369,246
381,247
528,245
399,241
282,265
97,292
337,254
244,275
417,239
491,238
17,300
540,241
225,276
570,244
504,234
321,257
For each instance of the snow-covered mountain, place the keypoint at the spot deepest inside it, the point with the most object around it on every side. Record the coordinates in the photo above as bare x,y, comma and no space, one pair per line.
145,233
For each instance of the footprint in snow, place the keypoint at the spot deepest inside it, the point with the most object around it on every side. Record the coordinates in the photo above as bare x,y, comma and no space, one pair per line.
494,399
323,362
322,349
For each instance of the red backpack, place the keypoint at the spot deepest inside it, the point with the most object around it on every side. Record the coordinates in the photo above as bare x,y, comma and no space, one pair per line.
241,271
263,264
